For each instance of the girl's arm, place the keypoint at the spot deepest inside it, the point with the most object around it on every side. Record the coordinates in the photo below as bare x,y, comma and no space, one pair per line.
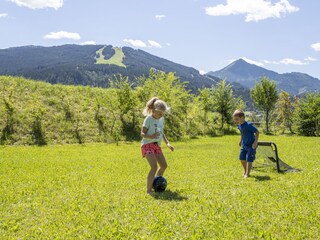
144,134
167,142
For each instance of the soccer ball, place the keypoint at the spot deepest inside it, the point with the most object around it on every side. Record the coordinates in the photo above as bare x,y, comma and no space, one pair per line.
159,184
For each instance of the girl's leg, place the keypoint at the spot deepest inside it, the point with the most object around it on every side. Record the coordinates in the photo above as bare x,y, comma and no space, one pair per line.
162,163
152,160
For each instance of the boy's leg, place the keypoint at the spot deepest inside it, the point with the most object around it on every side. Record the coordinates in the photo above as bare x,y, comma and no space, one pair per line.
152,160
244,165
162,163
242,157
249,165
251,155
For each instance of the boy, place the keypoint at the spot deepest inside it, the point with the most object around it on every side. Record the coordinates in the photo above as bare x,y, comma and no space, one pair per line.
248,141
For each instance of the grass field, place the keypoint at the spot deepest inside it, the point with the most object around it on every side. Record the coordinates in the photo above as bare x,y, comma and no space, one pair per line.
116,59
97,191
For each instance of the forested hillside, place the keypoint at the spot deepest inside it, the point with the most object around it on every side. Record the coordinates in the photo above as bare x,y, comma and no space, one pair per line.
78,65
97,65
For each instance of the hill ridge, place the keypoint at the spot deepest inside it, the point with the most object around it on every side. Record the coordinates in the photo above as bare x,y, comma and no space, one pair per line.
247,74
75,65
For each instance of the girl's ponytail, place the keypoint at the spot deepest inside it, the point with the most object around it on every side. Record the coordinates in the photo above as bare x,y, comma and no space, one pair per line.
149,106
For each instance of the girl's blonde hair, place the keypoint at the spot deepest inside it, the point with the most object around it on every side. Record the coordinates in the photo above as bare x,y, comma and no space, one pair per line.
155,104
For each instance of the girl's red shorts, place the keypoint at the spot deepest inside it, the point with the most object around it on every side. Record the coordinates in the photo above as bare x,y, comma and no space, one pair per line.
150,148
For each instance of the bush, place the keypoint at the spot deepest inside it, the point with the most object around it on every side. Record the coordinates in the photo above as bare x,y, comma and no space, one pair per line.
307,115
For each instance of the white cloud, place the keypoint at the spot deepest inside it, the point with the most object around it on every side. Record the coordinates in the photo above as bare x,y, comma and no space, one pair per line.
202,72
135,43
3,15
160,17
62,35
316,46
310,59
154,44
142,44
290,61
253,61
255,10
89,43
285,61
270,62
38,4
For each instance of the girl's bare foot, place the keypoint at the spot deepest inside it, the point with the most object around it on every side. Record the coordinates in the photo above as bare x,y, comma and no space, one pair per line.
246,176
150,193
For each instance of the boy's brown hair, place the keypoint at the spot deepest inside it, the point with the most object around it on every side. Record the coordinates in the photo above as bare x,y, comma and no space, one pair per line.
238,113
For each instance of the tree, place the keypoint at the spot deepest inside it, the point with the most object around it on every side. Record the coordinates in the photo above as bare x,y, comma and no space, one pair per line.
206,104
241,105
264,96
307,115
284,112
10,113
223,101
128,107
107,114
170,89
37,112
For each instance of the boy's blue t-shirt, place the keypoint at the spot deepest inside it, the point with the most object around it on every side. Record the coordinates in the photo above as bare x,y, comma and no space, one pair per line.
247,130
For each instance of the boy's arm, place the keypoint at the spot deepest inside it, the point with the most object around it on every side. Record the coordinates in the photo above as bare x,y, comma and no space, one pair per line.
167,142
256,138
240,143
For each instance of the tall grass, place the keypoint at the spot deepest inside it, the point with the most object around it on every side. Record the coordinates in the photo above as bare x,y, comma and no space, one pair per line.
37,113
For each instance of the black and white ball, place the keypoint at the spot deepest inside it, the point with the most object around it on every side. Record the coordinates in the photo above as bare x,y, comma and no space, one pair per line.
159,184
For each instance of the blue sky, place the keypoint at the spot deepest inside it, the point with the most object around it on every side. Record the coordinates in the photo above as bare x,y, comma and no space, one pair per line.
280,35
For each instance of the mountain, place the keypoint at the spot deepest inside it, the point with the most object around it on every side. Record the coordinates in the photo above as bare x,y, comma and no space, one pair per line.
91,65
246,74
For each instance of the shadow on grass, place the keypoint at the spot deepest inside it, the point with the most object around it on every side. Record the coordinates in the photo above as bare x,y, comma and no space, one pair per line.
169,196
262,178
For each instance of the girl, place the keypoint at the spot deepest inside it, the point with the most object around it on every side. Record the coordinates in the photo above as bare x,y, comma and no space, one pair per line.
152,135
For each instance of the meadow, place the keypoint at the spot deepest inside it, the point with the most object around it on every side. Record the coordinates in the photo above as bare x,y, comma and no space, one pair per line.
116,59
97,191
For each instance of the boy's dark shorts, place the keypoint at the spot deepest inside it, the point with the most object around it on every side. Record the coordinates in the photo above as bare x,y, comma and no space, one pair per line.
247,153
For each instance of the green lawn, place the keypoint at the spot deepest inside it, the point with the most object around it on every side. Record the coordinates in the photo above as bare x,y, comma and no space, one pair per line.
116,59
97,191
